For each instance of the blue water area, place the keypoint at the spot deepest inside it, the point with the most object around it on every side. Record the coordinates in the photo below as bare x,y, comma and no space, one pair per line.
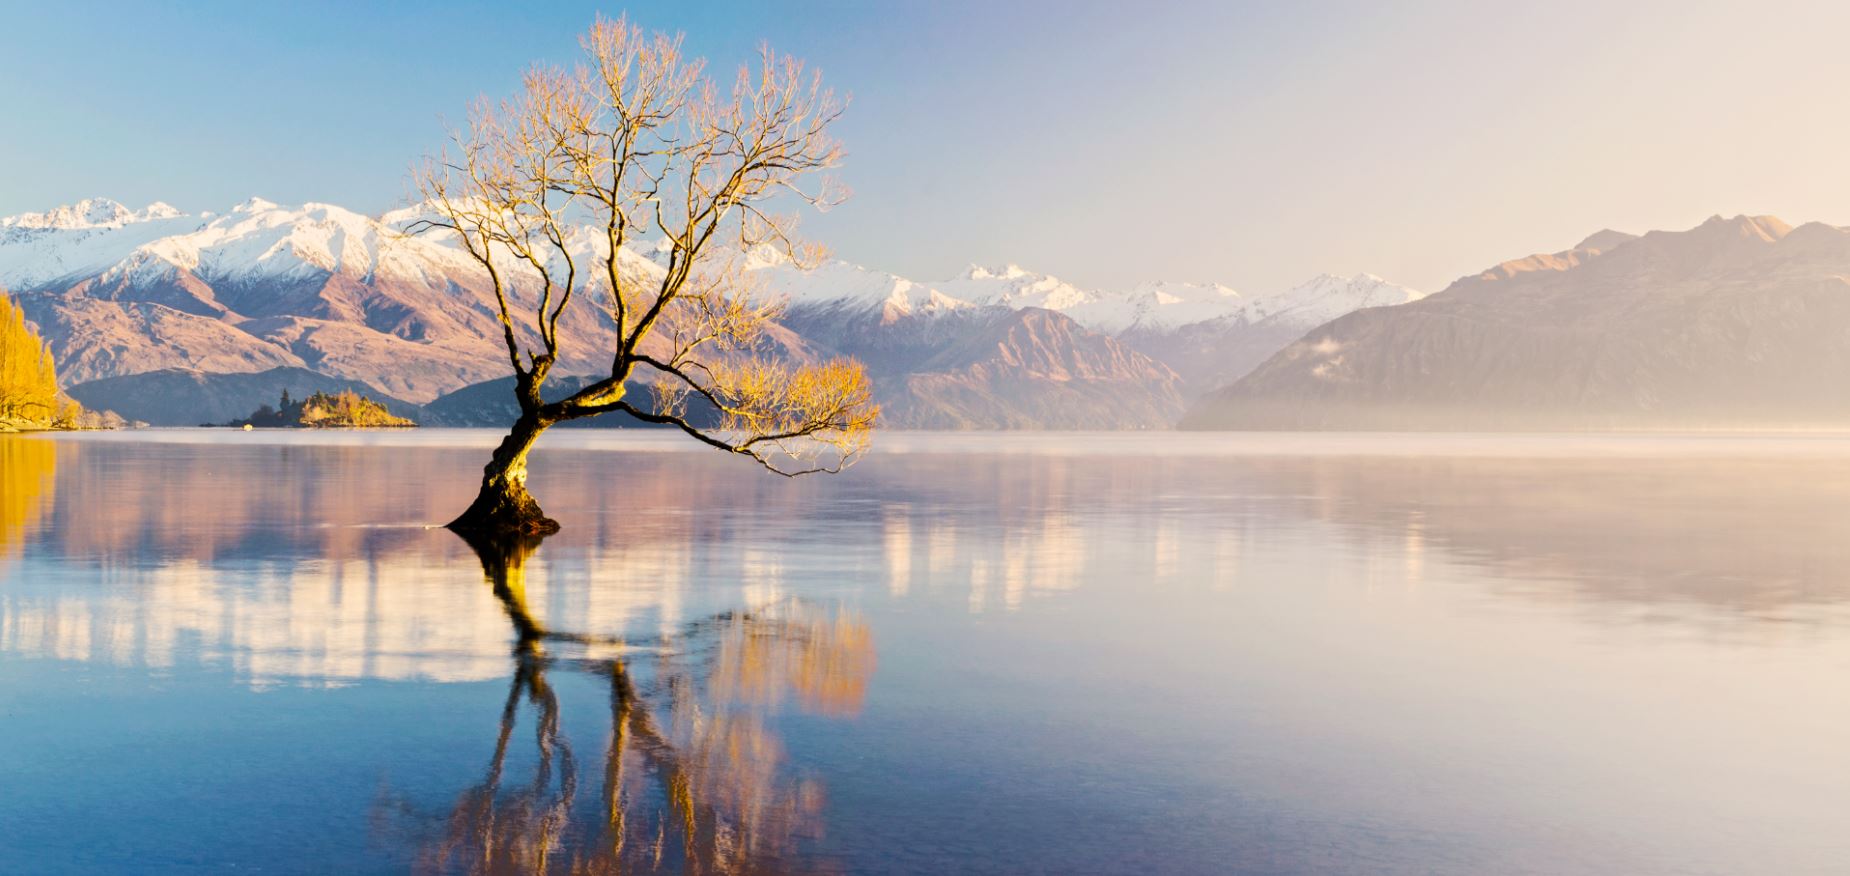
258,652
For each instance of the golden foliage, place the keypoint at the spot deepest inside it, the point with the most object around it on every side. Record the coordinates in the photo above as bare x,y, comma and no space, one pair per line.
26,469
28,378
825,659
545,189
347,408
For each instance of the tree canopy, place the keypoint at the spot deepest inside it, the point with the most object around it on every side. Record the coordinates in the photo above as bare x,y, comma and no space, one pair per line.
547,192
28,377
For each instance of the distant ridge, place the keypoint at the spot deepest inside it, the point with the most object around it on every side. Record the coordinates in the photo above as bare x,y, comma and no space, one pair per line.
1740,322
190,398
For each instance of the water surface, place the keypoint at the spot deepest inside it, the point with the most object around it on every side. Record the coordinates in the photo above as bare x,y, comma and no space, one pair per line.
992,654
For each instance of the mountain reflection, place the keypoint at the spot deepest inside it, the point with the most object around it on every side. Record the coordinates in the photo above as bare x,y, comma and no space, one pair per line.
1750,535
313,564
692,779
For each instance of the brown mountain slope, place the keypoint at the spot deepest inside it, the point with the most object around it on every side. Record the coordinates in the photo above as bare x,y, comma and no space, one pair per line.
1741,322
121,293
1034,368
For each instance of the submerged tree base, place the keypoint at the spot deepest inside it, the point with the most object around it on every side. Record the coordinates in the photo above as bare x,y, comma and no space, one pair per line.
503,506
504,512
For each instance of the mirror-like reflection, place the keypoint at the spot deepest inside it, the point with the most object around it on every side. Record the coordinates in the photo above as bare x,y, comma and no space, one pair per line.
1096,653
27,466
692,779
1745,535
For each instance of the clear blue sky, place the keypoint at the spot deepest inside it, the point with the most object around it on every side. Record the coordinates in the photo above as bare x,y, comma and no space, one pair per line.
1108,142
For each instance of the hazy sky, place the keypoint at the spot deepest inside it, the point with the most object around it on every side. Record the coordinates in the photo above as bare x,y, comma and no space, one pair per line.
1251,144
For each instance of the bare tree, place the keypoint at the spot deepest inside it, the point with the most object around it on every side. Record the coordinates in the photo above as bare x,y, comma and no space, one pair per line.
636,144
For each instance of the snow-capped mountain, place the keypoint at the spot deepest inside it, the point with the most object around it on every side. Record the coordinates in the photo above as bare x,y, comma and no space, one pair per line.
1211,351
848,288
1208,333
1150,306
259,286
1159,306
93,213
262,286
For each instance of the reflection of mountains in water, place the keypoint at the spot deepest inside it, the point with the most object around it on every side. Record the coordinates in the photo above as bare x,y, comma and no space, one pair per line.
313,564
308,562
691,776
1742,534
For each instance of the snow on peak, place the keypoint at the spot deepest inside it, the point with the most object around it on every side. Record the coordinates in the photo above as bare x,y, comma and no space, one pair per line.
1159,305
89,213
1010,271
93,212
1149,306
80,238
837,285
1328,296
1016,287
763,255
258,241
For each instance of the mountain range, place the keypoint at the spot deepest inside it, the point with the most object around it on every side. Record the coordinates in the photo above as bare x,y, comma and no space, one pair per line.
1740,322
189,317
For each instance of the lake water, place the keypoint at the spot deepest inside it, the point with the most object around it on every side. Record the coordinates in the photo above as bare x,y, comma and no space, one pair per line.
973,654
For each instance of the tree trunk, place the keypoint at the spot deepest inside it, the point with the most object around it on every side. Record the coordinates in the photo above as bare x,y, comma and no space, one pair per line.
503,505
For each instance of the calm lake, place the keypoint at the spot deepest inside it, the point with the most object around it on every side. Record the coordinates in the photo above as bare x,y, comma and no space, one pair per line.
969,654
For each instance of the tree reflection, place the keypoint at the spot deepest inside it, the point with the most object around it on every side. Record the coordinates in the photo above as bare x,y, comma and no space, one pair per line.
26,469
693,780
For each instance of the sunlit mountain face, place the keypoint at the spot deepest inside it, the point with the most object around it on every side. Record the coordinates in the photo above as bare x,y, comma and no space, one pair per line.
1733,324
213,312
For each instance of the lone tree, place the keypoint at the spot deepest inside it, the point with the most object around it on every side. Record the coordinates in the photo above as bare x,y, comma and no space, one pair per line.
638,145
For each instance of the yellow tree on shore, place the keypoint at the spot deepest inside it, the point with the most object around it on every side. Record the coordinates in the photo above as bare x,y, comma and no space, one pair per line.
28,379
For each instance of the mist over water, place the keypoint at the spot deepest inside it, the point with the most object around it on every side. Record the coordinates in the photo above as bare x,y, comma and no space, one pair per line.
987,653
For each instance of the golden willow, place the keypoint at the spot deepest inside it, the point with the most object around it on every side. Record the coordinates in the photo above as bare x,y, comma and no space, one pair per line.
28,379
637,144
